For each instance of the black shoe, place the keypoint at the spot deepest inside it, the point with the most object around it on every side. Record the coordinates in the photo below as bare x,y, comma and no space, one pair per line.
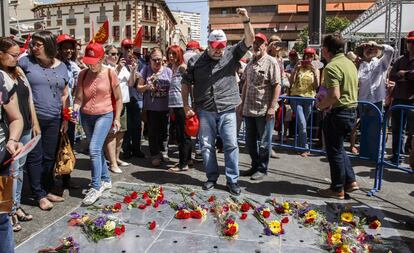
234,189
257,175
247,173
139,154
395,160
209,185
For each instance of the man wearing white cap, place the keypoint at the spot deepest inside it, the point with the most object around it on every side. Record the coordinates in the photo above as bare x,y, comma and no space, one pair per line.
216,96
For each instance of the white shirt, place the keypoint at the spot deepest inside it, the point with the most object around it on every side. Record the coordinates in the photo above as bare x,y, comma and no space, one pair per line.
123,77
372,77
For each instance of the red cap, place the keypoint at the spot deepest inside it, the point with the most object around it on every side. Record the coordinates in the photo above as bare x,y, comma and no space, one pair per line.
309,50
293,53
261,36
127,42
192,44
93,53
218,44
410,36
192,125
64,37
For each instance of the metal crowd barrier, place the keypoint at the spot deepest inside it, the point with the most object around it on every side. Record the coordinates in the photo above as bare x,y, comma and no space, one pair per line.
379,170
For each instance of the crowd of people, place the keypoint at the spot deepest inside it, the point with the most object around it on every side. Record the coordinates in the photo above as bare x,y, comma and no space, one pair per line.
117,96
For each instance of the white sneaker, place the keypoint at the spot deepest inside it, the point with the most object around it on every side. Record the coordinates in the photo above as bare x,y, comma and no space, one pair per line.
91,196
105,186
116,170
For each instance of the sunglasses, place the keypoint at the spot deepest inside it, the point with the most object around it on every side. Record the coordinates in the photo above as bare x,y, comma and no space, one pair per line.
36,44
114,54
128,47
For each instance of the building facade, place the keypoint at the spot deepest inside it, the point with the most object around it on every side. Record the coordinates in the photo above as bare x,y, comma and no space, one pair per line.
83,17
285,18
182,33
193,19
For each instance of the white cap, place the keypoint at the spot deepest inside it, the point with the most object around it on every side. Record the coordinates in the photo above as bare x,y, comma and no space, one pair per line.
217,35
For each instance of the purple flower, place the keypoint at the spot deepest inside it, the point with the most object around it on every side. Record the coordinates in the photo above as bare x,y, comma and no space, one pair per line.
267,231
303,211
75,215
163,202
100,222
182,206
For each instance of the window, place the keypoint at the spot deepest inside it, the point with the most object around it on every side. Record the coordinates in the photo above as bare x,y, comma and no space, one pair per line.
71,20
71,13
72,32
116,12
146,13
153,34
154,13
115,33
128,31
146,33
87,35
128,11
48,15
262,9
102,15
86,15
59,14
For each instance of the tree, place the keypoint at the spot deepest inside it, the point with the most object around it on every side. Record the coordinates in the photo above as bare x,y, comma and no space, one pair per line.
332,24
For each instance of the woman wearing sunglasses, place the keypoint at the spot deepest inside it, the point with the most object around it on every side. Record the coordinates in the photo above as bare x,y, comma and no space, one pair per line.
155,84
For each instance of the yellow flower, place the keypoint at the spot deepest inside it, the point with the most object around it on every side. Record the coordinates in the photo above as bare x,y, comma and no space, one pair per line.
275,227
347,217
230,225
336,238
345,248
109,226
85,218
202,211
338,230
286,205
311,215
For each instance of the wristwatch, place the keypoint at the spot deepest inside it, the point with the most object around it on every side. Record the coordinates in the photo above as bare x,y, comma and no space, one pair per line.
247,21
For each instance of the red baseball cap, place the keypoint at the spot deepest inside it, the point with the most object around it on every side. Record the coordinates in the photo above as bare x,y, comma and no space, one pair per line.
64,37
93,53
261,36
309,50
192,44
410,36
127,42
293,53
192,124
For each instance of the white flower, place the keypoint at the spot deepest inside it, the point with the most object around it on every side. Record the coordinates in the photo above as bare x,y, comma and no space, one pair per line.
109,226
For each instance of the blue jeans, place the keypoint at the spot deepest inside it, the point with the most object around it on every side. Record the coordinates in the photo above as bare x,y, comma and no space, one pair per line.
41,160
97,128
303,110
258,129
337,125
225,123
6,234
132,137
18,168
407,124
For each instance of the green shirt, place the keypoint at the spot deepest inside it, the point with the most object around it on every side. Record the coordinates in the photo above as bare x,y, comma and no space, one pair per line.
342,72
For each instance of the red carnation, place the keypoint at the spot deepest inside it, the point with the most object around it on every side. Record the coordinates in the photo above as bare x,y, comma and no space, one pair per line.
245,207
279,209
156,205
310,220
285,220
243,216
123,229
118,231
134,195
226,209
230,231
66,115
127,199
152,225
160,197
145,195
142,206
211,199
196,215
148,202
117,206
266,214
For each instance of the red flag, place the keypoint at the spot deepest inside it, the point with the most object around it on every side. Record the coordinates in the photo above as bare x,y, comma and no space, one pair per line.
138,38
26,44
103,33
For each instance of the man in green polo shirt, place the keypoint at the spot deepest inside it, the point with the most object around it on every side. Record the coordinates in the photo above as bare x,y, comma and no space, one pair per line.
341,82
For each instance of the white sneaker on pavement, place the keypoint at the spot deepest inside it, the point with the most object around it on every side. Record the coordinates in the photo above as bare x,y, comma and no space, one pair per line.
91,196
105,186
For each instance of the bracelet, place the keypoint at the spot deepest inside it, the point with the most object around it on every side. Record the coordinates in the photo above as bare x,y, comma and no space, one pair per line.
13,140
247,21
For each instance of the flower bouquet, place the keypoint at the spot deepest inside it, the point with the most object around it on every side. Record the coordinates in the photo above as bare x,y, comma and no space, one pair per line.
190,208
227,225
280,208
68,245
98,228
242,207
274,227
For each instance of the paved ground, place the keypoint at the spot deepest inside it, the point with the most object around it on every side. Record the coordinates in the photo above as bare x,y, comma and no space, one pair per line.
290,176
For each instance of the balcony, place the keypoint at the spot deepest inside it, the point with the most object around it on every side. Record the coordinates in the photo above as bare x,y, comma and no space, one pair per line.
71,21
101,19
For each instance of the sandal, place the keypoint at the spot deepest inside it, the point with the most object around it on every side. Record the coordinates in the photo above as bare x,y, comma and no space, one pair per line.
23,216
176,168
15,223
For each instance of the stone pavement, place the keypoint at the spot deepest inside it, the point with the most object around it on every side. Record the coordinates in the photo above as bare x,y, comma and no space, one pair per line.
290,177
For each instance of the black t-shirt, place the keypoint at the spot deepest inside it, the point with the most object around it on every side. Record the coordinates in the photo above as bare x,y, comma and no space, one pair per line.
4,99
23,93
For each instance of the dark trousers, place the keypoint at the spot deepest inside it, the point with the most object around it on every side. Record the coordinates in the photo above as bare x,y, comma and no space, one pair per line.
132,137
258,129
184,141
157,131
41,160
407,121
337,125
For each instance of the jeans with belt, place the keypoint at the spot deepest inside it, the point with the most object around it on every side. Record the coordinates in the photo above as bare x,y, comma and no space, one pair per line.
97,128
337,125
225,124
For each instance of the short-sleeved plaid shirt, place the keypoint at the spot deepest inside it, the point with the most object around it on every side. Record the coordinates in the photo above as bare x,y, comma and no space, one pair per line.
261,76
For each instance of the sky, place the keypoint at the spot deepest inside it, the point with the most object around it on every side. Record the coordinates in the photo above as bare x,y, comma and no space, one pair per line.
193,6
